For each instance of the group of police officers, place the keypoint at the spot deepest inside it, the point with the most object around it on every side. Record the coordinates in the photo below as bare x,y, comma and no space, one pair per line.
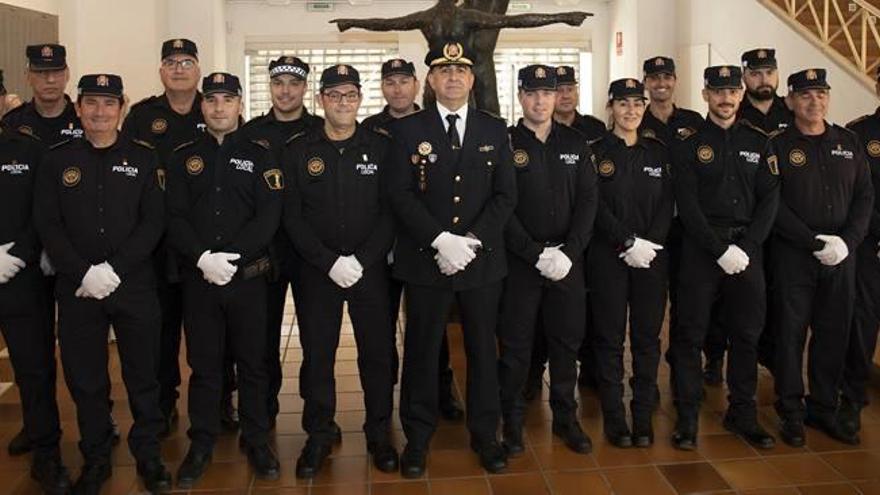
552,237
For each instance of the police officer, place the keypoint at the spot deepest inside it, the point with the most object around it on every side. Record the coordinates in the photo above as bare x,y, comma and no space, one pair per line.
628,267
825,207
28,333
762,107
452,190
727,198
866,316
664,119
224,201
337,215
50,115
167,121
545,239
399,88
567,98
287,117
100,213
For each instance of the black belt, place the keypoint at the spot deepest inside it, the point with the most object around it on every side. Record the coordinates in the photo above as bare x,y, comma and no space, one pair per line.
729,234
259,266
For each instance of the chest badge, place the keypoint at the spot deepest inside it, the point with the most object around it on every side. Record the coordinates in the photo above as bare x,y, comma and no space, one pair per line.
195,165
797,158
315,167
874,148
425,148
705,154
274,179
71,176
520,158
159,126
160,178
606,168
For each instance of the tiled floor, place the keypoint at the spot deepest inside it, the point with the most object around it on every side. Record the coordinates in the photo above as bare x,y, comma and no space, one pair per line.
722,464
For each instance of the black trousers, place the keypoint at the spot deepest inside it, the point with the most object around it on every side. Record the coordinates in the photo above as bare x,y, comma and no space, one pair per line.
617,289
528,298
427,309
215,317
276,297
83,328
673,247
30,339
866,322
739,301
809,294
445,378
320,317
171,308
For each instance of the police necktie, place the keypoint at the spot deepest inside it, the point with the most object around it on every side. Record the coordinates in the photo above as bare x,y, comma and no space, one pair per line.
452,131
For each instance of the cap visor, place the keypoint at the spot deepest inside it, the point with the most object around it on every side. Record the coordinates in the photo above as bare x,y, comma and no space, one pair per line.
396,72
47,67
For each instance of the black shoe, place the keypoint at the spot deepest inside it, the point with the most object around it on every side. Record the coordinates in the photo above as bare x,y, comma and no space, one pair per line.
384,456
311,459
193,467
532,390
450,409
492,456
617,433
51,474
573,436
750,431
684,437
791,431
643,434
228,415
264,462
849,416
92,478
587,379
20,444
412,462
513,439
712,374
156,478
833,428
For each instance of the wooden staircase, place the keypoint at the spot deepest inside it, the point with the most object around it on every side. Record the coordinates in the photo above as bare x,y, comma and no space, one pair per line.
846,30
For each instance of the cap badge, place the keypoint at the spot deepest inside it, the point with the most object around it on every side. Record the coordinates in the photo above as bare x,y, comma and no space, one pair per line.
452,51
178,44
47,52
102,80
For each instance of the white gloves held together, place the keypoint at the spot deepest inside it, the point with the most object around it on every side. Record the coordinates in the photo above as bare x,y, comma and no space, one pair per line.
553,263
734,260
99,282
834,252
454,252
641,253
346,271
216,267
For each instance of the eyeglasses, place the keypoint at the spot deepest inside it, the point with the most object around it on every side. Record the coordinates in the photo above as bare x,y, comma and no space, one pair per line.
185,64
336,96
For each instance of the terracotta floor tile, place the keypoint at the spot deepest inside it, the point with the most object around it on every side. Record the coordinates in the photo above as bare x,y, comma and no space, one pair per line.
225,476
400,488
578,483
832,489
693,478
746,474
724,446
869,487
518,484
288,477
453,464
343,470
338,490
772,491
634,481
466,486
804,468
858,465
559,457
300,490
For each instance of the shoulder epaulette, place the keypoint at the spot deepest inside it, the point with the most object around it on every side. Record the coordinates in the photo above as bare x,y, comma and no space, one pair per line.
144,144
412,115
685,132
491,114
295,137
183,145
381,130
262,143
653,137
148,99
26,131
753,127
857,120
60,144
595,141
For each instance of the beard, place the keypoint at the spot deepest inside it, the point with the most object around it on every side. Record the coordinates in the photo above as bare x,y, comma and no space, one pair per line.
762,93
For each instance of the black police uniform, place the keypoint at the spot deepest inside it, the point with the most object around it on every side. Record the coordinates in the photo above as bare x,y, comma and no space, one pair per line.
635,200
335,205
556,205
726,196
825,188
28,333
94,205
50,130
776,119
225,198
434,189
383,119
866,316
286,262
154,121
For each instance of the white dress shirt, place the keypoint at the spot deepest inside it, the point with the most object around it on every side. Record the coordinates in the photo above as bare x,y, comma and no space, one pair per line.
460,124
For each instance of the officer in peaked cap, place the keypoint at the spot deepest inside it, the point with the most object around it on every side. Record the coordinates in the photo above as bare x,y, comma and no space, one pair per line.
224,201
545,239
567,98
287,117
762,106
452,189
826,204
100,212
167,121
725,224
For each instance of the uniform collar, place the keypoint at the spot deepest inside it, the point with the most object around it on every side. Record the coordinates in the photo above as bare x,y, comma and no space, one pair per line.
829,134
195,109
360,135
554,131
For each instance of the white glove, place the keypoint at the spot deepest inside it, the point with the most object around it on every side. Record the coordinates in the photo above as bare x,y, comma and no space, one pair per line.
346,271
553,264
834,252
457,250
734,260
9,265
99,282
444,266
46,264
641,254
216,267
